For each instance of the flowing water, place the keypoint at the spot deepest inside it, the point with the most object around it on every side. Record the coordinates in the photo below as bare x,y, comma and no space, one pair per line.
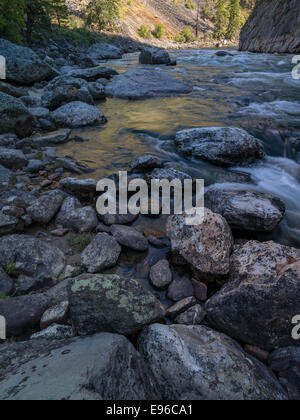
251,91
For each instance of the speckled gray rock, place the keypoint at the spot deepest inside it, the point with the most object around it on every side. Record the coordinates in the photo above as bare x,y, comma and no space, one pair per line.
6,283
146,163
246,210
12,159
93,74
44,209
206,248
97,90
197,363
224,146
103,51
78,114
8,224
161,275
55,315
118,219
23,65
35,165
180,288
63,90
102,253
32,258
54,332
144,83
109,303
11,90
130,237
60,137
75,369
168,173
7,178
79,187
262,295
181,306
192,316
74,216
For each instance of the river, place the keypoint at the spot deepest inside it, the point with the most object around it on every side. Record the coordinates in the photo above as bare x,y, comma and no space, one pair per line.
251,91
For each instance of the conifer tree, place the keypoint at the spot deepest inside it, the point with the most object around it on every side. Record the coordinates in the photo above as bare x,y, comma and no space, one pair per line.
222,19
11,19
235,19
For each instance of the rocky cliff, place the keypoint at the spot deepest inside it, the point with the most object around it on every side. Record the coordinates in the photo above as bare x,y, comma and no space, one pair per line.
274,27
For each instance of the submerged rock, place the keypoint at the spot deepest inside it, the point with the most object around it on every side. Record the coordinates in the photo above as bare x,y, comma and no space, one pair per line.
246,210
102,253
109,303
224,146
143,83
75,369
206,248
130,237
15,117
262,296
78,114
197,363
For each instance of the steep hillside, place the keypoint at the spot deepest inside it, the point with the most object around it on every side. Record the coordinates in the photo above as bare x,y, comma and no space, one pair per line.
274,27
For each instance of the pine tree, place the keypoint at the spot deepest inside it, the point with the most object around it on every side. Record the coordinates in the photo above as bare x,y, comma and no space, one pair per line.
235,19
11,19
103,14
222,19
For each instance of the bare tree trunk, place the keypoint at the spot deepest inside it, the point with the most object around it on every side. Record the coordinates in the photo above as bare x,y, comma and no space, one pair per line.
198,18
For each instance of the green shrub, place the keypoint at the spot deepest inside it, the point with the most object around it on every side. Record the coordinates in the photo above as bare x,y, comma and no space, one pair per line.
79,241
186,35
159,31
145,32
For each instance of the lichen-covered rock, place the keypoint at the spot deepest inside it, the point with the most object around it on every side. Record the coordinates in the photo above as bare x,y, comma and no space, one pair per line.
246,210
101,367
54,332
197,363
224,146
15,117
78,114
44,209
74,216
262,296
273,27
206,248
102,253
109,303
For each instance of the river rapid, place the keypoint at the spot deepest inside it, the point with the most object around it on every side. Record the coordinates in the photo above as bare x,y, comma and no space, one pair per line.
255,92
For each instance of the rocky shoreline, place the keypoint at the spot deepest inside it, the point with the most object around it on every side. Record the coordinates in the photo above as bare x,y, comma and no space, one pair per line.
215,318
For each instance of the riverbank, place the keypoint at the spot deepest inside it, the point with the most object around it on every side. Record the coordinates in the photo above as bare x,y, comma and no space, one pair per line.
106,290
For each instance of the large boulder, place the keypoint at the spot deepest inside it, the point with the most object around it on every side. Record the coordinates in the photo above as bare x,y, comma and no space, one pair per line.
63,90
33,262
7,178
262,296
12,159
78,114
197,363
8,224
154,56
102,367
73,215
245,209
46,207
6,283
15,117
273,27
23,65
103,51
109,303
102,253
143,83
206,248
224,146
